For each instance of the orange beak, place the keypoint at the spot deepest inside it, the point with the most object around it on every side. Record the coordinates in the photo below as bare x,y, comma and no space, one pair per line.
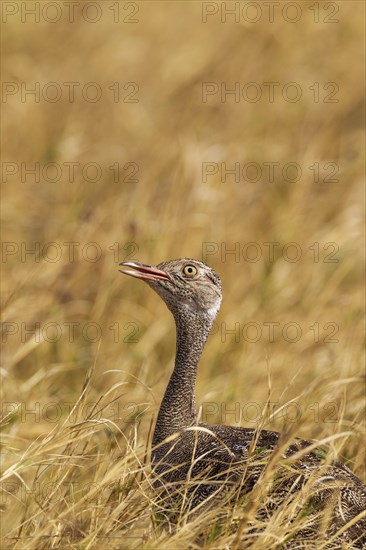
145,272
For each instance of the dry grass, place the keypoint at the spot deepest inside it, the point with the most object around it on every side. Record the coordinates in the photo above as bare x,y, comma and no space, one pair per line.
76,470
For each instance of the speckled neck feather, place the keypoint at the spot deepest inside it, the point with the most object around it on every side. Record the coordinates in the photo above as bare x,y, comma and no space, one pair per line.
178,410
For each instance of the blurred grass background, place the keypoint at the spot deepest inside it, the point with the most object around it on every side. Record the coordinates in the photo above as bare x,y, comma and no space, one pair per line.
170,211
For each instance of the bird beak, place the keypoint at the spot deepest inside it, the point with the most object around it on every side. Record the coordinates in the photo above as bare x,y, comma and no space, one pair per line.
145,272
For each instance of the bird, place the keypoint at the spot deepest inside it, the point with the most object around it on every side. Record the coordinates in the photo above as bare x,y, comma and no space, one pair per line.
199,466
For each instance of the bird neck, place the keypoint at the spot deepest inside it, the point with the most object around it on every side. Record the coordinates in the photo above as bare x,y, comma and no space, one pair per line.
177,410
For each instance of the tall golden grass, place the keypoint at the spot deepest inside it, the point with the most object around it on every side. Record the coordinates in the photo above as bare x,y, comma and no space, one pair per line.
87,354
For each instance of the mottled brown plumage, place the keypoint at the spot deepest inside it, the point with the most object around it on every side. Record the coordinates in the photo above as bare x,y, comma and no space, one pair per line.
198,466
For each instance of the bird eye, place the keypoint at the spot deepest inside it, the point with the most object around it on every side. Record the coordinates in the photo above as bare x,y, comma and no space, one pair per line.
190,270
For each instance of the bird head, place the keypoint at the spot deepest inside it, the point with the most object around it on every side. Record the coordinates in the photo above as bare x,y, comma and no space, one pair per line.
187,286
